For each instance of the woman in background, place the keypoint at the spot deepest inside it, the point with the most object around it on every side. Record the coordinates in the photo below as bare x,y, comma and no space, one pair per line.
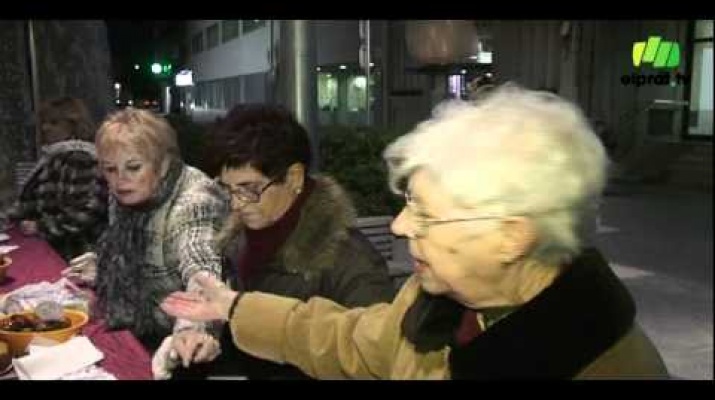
64,198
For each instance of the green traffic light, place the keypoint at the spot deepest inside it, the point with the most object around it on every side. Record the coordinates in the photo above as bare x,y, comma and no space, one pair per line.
156,68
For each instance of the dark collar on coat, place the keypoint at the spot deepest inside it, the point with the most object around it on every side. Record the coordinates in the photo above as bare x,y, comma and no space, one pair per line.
556,334
313,246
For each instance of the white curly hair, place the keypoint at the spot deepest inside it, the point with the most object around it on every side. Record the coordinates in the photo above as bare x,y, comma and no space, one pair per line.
511,152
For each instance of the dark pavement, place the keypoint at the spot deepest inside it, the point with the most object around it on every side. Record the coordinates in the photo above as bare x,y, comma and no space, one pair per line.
659,239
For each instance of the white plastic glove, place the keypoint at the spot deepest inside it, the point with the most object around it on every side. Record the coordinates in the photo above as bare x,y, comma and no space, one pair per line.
193,346
82,269
164,360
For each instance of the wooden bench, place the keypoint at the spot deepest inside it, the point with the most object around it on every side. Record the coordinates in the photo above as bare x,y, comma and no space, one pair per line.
377,230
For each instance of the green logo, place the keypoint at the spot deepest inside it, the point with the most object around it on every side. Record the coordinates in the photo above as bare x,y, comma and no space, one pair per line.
660,53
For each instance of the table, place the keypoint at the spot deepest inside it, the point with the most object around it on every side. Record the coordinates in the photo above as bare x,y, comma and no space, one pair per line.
35,261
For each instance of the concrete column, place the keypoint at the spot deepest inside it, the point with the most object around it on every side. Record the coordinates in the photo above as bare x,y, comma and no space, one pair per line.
570,34
296,78
385,74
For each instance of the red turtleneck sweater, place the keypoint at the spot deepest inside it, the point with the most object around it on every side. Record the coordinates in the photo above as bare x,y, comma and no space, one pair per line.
262,244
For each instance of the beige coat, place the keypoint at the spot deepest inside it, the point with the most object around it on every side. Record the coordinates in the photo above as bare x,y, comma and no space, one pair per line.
328,341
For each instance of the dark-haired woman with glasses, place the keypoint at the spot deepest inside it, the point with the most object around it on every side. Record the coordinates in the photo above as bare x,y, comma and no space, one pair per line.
290,233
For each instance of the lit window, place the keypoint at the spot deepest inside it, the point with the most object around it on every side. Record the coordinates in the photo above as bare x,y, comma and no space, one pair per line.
327,92
456,86
357,92
360,82
701,93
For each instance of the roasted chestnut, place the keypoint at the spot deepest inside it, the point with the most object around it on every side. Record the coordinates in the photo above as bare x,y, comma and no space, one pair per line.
32,323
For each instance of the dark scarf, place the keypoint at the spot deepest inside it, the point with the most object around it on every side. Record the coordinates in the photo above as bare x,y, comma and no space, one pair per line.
121,254
262,244
555,335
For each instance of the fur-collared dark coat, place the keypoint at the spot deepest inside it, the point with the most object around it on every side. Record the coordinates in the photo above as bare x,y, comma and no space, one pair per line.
324,256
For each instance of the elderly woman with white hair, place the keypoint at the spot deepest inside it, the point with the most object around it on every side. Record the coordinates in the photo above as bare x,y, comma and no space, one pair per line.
498,193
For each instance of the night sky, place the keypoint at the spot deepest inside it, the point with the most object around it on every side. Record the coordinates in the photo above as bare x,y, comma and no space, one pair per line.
142,42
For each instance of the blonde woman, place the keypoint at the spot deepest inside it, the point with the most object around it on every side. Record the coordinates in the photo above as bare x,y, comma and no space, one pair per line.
162,222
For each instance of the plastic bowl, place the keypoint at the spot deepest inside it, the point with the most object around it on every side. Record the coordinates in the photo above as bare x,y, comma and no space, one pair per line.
18,341
5,358
5,263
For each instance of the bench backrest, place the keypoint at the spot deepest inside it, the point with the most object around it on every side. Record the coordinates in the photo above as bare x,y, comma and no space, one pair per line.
377,230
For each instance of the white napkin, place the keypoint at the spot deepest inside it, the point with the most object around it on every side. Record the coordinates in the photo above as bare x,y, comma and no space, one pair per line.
57,361
5,249
91,373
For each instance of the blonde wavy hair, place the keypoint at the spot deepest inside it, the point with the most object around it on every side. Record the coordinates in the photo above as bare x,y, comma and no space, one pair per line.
140,130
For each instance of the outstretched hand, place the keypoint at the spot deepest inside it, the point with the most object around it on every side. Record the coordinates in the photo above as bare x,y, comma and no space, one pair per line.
82,269
211,303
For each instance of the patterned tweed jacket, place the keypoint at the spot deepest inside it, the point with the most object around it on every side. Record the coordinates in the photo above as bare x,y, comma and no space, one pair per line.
180,236
66,194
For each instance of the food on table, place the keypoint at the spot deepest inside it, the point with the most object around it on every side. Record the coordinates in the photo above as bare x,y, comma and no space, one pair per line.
32,323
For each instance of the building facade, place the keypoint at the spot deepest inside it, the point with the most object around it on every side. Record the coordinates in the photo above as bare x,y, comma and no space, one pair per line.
234,61
644,113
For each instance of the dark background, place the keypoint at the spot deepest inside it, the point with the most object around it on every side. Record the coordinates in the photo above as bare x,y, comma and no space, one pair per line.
143,43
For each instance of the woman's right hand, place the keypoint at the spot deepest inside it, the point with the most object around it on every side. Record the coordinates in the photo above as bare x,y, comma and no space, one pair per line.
82,269
212,302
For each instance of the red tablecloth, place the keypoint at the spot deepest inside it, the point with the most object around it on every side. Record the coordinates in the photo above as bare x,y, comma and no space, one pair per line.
36,261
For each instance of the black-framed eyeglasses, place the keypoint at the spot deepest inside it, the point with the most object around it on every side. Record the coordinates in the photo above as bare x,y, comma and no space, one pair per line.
424,223
247,193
